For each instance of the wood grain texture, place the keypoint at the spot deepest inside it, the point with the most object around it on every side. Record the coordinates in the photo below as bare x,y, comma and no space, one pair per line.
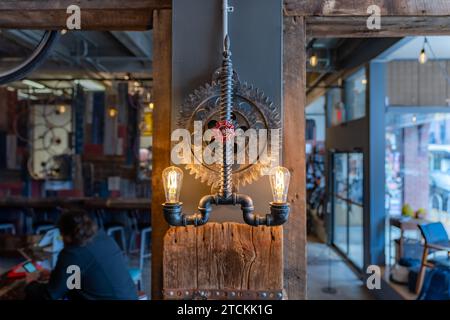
162,90
95,14
228,256
294,156
359,7
356,27
137,15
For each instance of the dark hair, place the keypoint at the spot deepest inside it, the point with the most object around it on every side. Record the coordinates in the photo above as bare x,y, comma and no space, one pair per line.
77,225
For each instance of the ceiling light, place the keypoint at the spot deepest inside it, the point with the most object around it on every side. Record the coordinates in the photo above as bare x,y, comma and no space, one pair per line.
33,84
313,60
423,54
91,85
61,109
112,112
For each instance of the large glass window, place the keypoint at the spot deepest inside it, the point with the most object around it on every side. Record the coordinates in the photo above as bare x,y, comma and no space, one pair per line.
355,95
417,173
350,103
418,164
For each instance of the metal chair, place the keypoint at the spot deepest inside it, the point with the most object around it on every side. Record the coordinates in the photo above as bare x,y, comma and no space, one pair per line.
42,225
436,240
112,229
8,228
145,231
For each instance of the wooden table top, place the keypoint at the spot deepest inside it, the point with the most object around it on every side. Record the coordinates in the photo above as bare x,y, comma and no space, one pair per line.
406,223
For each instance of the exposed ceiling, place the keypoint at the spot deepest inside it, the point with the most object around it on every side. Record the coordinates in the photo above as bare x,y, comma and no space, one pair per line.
93,55
438,47
335,55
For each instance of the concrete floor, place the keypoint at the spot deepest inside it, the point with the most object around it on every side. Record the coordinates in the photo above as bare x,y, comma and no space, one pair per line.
342,279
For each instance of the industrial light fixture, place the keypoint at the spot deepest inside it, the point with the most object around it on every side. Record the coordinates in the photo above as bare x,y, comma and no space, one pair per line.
91,85
423,54
314,60
113,112
226,194
33,84
61,109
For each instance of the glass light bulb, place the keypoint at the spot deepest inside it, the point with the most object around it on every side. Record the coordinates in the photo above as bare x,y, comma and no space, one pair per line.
313,60
112,112
61,109
279,181
423,57
172,180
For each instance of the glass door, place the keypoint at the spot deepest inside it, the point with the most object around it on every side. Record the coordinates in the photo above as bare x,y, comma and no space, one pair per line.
347,197
340,236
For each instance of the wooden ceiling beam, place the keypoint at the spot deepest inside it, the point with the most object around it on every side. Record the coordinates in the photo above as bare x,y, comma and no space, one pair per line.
359,8
95,14
356,27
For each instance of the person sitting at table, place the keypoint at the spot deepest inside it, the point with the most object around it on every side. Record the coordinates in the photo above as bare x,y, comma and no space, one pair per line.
103,271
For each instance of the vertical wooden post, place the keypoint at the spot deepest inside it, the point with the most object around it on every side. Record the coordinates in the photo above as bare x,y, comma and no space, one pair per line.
294,70
162,74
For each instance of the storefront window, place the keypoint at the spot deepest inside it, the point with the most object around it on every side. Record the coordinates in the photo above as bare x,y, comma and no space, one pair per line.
418,165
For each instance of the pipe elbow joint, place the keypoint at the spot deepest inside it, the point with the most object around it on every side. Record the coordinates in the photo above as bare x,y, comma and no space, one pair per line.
173,214
279,214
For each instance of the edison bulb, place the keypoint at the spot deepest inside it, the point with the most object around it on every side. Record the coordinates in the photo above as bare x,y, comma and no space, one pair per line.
112,112
423,57
279,182
61,109
172,180
313,60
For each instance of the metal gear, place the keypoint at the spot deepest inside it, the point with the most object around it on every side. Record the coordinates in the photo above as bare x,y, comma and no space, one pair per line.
251,110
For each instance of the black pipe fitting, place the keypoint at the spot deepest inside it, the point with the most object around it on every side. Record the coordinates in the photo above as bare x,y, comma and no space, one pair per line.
279,212
174,216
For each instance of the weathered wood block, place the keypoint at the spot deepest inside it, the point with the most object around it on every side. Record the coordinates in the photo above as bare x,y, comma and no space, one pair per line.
223,261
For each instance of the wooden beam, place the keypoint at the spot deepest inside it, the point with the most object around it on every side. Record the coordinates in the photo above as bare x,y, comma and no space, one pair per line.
294,156
162,90
95,14
356,27
359,8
